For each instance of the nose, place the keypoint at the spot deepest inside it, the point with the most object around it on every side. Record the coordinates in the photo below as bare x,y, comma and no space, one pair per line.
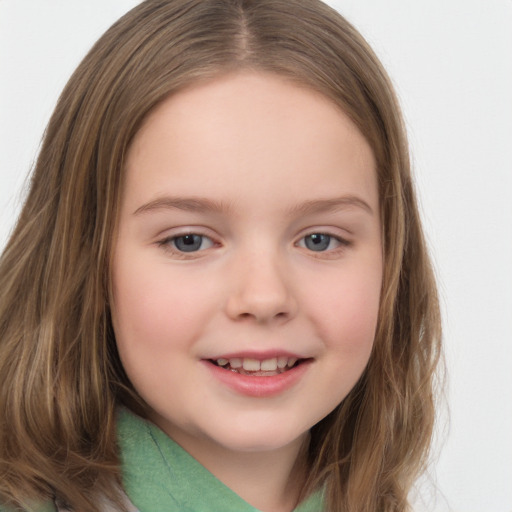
261,290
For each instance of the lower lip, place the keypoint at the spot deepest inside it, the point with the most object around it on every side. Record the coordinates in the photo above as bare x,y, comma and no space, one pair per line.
260,387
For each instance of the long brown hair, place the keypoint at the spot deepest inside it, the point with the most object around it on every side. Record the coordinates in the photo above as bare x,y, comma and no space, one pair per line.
60,375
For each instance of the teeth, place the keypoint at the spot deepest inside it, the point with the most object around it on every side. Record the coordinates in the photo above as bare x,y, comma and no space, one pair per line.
236,362
254,365
269,365
251,365
282,362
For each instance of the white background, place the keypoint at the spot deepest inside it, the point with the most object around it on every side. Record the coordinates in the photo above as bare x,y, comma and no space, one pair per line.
451,62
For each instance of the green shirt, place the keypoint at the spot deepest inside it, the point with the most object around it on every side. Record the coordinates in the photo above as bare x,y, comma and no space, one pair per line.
158,475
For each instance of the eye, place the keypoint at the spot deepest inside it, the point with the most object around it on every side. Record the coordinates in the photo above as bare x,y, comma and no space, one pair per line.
190,242
320,242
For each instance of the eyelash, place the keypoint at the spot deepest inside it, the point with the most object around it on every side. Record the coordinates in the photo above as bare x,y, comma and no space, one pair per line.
169,244
342,243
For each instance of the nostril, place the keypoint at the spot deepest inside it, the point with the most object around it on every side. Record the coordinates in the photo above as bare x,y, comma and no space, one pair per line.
280,315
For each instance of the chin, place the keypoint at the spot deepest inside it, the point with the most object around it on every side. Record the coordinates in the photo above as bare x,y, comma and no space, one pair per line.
258,437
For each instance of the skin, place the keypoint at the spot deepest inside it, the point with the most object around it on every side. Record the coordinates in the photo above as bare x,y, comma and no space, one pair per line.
278,162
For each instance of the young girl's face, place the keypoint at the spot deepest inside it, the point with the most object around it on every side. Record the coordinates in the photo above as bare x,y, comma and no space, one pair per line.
248,262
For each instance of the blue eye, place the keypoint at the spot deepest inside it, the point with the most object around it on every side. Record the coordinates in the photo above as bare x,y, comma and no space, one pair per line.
191,242
321,242
317,241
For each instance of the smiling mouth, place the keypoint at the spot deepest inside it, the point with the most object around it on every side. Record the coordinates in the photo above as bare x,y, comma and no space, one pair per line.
256,368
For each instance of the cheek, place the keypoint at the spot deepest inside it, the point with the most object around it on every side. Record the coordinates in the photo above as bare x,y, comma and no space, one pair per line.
346,312
155,323
152,308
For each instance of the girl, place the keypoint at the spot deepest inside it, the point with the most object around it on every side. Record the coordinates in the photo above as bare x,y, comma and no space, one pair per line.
217,295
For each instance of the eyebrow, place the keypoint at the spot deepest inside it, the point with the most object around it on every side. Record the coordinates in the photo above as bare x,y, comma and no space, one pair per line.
331,205
189,204
204,205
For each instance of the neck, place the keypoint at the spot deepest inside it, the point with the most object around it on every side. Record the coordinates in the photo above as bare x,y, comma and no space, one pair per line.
268,480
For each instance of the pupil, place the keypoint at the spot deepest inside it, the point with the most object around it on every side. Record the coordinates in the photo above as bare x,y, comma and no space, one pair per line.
188,243
317,242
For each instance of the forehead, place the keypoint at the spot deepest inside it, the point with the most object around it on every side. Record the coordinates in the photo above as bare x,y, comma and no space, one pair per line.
239,133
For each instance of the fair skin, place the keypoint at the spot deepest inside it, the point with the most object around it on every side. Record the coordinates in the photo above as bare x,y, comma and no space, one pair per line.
249,234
